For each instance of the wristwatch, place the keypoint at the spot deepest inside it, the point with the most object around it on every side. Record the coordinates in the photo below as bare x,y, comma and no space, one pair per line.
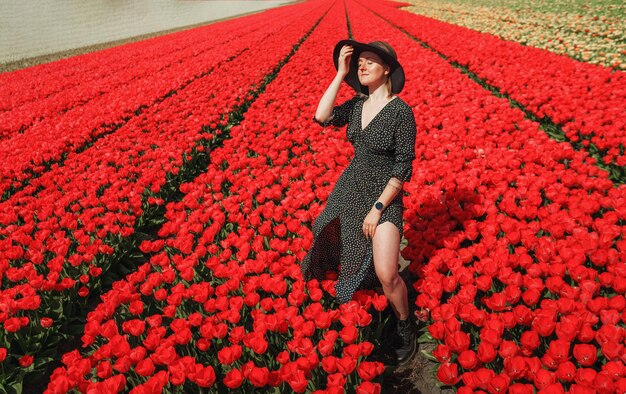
379,205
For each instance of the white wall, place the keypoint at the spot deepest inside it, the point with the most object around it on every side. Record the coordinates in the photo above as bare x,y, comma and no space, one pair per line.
31,28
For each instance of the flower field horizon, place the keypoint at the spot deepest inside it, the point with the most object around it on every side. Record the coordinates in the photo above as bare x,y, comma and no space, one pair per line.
158,197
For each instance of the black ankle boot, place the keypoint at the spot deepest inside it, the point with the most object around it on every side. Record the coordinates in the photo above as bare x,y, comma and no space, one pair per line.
408,345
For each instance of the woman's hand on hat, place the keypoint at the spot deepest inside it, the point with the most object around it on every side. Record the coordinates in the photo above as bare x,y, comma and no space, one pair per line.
344,59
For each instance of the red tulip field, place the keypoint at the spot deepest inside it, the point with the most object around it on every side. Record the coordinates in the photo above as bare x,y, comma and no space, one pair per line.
157,199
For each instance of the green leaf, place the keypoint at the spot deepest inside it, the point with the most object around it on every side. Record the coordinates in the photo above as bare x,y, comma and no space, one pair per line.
429,356
15,388
13,384
426,338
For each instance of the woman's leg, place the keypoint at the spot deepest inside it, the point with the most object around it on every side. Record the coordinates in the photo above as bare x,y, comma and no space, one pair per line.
386,247
386,244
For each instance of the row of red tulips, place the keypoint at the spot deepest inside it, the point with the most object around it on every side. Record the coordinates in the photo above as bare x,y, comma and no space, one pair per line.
59,234
222,303
107,103
587,100
45,90
518,241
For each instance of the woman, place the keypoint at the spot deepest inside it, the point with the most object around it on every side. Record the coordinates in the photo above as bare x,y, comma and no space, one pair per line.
361,226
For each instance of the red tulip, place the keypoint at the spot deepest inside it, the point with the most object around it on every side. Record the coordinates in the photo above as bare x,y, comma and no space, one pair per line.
258,376
585,354
329,364
164,354
530,340
544,326
46,322
586,333
483,376
379,302
123,364
467,359
448,374
508,349
491,336
229,354
612,350
368,388
519,388
145,367
233,379
568,327
556,388
559,350
609,333
368,370
346,365
353,351
457,341
543,378
523,315
366,348
614,369
325,347
442,353
349,334
531,296
603,383
12,324
137,354
499,383
486,352
437,330
26,360
296,380
336,380
620,385
104,369
585,376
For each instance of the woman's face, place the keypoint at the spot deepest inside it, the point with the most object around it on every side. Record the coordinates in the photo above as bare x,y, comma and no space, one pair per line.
371,68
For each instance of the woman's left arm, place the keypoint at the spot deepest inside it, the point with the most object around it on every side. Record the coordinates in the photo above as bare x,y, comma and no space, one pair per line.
402,169
405,146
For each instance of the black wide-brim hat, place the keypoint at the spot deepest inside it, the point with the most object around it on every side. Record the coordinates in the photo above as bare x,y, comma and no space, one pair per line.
352,78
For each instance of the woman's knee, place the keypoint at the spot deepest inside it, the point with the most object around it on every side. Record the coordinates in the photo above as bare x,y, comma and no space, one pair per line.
388,278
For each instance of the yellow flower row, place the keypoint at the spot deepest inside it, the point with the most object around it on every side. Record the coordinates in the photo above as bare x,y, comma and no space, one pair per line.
590,32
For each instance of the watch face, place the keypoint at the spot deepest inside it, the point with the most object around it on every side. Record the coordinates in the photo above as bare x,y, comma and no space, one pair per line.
379,205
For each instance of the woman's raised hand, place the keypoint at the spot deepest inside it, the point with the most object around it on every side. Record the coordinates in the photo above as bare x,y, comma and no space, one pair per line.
344,59
325,108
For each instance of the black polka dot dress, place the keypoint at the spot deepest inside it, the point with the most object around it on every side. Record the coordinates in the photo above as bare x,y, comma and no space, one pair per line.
385,148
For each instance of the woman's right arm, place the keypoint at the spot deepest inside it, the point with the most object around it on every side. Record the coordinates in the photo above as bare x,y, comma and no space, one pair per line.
324,113
325,107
